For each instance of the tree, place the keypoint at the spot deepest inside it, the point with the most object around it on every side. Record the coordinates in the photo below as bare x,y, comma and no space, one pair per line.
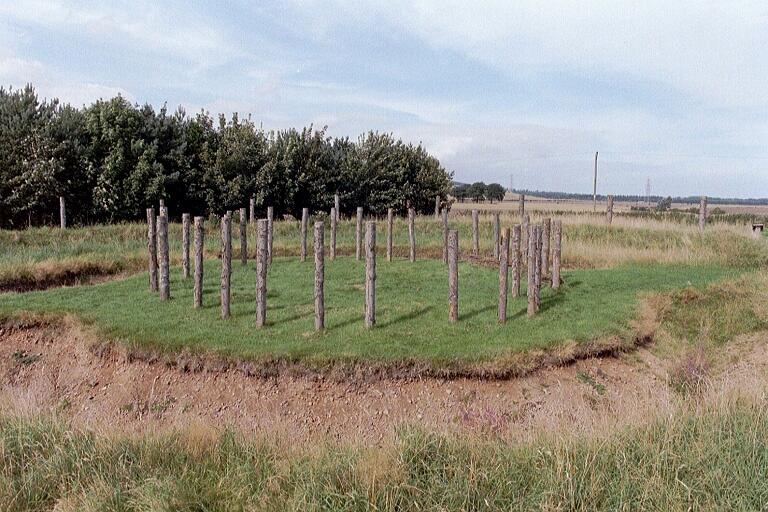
664,205
477,191
494,191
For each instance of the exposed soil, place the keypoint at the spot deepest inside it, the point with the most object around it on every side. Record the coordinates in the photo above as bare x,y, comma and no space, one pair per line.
61,369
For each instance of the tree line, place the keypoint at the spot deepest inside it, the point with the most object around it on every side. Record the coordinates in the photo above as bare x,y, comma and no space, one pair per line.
478,192
113,159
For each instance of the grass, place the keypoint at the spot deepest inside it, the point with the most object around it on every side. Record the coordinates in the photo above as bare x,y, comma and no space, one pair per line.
412,326
714,458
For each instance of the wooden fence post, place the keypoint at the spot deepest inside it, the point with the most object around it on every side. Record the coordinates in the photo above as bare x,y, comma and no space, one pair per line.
503,275
546,229
62,213
319,278
162,245
370,274
390,227
261,272
199,248
359,234
516,263
226,264
412,233
270,232
702,213
337,205
243,237
496,235
437,207
334,220
185,245
556,254
453,276
445,235
531,291
304,226
152,249
539,243
163,210
521,206
475,235
252,212
524,235
609,210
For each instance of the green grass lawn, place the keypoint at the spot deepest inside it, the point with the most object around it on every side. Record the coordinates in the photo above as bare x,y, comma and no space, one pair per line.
411,312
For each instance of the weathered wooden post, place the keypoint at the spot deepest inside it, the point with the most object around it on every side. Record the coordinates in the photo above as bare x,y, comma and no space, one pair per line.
370,274
521,206
270,232
609,210
199,247
539,243
516,263
319,278
243,237
62,213
496,234
334,220
546,229
531,291
556,254
702,213
503,275
453,276
226,264
185,245
359,234
390,226
445,235
412,233
475,235
337,205
261,272
162,246
152,248
163,210
526,231
304,227
437,207
252,212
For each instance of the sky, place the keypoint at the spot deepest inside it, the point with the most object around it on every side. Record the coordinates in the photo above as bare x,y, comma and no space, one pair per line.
523,92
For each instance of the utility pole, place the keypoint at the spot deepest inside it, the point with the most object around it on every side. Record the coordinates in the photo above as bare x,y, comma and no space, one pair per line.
648,192
594,187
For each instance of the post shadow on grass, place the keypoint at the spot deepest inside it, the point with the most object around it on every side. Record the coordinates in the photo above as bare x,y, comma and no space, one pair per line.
407,316
475,312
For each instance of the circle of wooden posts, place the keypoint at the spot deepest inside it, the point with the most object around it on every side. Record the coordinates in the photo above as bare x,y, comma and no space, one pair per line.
532,244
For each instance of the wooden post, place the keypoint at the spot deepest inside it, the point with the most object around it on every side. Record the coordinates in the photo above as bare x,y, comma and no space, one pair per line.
531,291
594,187
162,210
226,264
270,232
556,254
162,246
609,210
503,275
370,275
496,234
412,233
437,207
243,237
546,229
359,234
526,231
62,213
261,272
185,245
539,237
453,276
475,235
304,226
521,206
199,247
390,226
516,260
319,277
445,235
252,212
152,248
702,213
337,205
334,220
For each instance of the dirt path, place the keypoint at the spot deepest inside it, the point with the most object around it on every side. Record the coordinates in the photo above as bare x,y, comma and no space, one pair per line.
56,369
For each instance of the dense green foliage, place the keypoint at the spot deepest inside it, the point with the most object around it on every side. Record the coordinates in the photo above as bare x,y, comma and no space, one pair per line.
478,192
111,160
710,459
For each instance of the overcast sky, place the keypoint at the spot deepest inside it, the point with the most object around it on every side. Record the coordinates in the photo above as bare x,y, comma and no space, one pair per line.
675,92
